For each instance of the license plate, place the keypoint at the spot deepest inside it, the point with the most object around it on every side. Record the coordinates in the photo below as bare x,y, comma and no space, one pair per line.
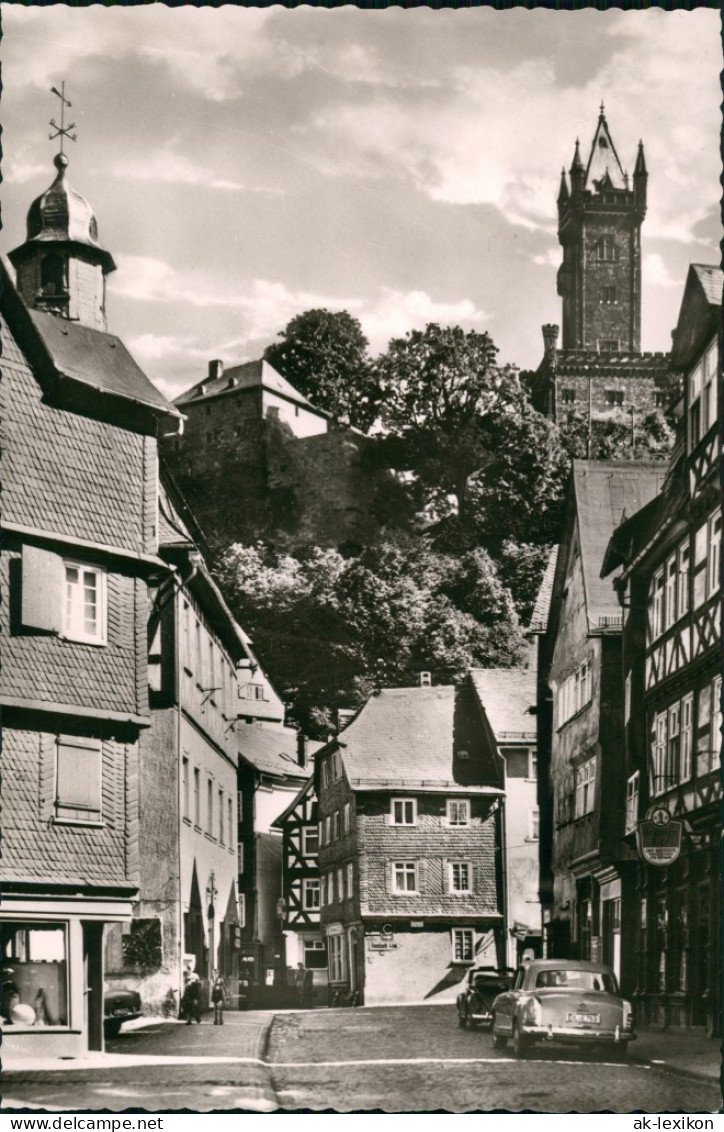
585,1019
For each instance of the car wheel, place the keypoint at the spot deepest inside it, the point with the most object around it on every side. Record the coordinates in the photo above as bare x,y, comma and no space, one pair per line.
462,1019
111,1029
500,1041
521,1043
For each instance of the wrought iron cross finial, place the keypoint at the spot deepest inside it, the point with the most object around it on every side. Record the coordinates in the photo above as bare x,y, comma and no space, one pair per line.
61,131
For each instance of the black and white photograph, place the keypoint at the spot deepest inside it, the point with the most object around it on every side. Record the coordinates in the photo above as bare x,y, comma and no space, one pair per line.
360,614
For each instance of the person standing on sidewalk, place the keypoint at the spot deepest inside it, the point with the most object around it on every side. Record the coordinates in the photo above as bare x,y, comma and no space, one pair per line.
218,999
190,1005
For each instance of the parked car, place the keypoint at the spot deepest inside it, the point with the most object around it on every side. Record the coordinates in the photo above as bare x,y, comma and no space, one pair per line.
562,1000
475,1001
119,1006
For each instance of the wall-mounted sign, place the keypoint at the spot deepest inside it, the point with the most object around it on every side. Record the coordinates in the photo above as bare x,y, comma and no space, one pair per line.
382,943
659,844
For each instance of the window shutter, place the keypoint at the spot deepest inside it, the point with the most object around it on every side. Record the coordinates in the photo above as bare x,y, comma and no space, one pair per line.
447,877
42,590
422,885
390,873
475,878
78,778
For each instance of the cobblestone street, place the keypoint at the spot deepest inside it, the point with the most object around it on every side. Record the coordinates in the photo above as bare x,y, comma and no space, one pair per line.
392,1059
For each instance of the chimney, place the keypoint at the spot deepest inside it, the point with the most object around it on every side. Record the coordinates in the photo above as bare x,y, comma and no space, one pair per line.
425,680
550,340
301,749
216,369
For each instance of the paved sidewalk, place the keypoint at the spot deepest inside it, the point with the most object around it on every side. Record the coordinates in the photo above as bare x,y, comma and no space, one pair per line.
688,1051
242,1039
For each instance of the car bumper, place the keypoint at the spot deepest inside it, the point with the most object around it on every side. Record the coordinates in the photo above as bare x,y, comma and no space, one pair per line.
553,1033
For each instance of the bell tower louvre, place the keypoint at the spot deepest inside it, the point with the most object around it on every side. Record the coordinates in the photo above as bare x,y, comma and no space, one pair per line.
599,370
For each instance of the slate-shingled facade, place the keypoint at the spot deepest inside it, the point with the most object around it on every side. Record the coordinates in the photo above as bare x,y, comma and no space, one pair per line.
79,433
410,839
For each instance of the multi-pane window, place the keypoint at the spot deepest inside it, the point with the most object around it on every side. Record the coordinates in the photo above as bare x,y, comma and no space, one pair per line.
209,806
585,787
320,827
185,785
84,616
310,841
461,877
458,811
702,389
322,890
632,802
575,693
403,811
672,744
669,590
328,829
609,293
335,952
564,798
606,249
347,822
78,779
716,723
230,821
315,954
568,396
310,894
221,816
613,396
197,796
240,857
340,884
707,558
404,876
336,824
463,945
708,396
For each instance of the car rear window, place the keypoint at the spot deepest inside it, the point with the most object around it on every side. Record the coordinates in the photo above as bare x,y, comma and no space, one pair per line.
577,980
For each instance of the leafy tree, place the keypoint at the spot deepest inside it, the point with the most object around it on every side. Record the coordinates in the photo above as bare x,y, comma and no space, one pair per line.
328,629
324,355
613,437
440,388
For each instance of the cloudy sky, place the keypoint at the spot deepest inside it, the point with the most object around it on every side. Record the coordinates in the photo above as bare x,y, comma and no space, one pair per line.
246,164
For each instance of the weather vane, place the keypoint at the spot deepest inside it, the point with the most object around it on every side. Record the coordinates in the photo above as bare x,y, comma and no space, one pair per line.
61,131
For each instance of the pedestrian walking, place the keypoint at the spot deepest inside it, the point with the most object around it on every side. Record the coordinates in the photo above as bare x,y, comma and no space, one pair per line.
218,998
190,1001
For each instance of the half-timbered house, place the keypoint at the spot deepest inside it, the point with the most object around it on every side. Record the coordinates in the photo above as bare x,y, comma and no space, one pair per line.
670,590
301,886
581,731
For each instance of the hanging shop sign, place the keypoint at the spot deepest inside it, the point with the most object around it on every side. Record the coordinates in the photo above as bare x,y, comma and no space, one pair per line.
658,838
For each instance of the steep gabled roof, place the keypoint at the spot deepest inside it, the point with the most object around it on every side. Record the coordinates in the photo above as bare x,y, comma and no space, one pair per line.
70,358
250,375
404,737
507,695
273,750
605,492
699,313
539,619
308,787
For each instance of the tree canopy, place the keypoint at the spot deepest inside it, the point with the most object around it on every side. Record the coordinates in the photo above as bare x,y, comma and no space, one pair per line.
324,355
331,628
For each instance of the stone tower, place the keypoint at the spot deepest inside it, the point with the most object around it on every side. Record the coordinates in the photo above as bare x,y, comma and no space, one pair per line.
61,268
600,212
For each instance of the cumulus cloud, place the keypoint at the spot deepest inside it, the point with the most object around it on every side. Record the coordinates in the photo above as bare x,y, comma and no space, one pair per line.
175,168
656,273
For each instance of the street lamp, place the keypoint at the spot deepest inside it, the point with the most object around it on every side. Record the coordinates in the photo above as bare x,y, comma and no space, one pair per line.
211,894
280,950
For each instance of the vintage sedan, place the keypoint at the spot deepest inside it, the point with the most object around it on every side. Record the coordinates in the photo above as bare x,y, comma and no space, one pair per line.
119,1006
475,1001
563,1000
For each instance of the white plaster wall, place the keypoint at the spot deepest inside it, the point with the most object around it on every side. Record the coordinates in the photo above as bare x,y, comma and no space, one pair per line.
299,419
